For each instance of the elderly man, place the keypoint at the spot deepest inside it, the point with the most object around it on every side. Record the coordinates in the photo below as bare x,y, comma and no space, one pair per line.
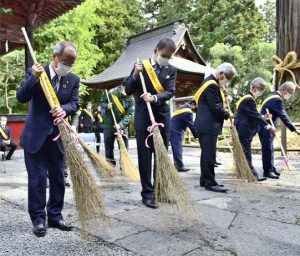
42,152
5,138
209,121
274,103
248,118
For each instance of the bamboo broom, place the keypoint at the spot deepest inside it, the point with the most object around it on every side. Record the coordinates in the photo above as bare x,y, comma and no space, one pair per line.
127,166
88,197
287,172
168,184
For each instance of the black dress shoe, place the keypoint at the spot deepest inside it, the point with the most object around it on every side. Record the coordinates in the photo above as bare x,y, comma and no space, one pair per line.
202,184
183,169
270,175
150,203
39,230
8,158
216,189
261,178
218,163
60,225
276,173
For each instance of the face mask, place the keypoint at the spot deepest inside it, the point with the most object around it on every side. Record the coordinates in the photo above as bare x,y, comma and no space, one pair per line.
89,107
257,94
287,96
224,82
62,69
162,61
3,123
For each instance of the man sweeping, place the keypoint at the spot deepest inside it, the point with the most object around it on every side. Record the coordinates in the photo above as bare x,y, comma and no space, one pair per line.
209,121
43,149
123,108
181,119
248,119
160,78
275,104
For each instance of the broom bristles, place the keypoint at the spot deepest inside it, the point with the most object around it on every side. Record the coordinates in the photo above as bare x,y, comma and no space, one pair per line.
168,184
128,168
88,197
99,163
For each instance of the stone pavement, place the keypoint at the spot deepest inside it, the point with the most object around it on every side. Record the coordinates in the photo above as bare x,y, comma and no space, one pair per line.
263,222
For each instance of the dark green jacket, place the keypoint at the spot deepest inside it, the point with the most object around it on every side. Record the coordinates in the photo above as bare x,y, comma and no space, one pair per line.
122,120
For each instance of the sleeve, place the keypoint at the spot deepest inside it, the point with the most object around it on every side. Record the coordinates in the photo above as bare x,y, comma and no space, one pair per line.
103,101
80,118
25,92
131,84
280,111
251,110
214,103
190,123
72,106
169,89
129,113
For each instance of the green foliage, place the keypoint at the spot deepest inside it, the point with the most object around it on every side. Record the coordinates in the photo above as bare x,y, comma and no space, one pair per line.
11,75
268,9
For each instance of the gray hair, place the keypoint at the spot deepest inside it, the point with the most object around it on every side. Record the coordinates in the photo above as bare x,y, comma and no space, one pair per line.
226,68
287,85
60,47
256,82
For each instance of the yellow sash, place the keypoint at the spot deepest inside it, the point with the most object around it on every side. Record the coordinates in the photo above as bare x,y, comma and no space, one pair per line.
100,118
243,98
269,98
153,77
204,86
44,77
89,114
4,135
118,103
180,111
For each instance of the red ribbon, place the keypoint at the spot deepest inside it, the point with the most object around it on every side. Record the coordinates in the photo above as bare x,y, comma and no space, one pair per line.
119,133
58,119
150,130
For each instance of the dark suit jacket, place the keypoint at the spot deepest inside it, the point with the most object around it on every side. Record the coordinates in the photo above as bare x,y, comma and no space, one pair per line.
39,121
276,108
248,118
7,131
210,113
180,122
85,119
161,109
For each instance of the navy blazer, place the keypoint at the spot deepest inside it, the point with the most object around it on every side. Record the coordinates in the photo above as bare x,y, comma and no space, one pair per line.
161,109
210,112
276,108
39,120
6,129
180,122
248,118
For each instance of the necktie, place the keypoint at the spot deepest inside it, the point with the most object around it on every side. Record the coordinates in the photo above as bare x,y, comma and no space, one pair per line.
54,83
157,69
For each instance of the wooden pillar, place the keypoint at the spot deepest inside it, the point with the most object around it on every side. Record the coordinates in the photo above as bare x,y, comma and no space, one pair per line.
28,59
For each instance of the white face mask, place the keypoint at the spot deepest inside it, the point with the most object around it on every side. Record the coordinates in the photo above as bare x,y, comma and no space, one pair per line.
224,82
257,94
89,107
162,61
287,96
3,123
62,69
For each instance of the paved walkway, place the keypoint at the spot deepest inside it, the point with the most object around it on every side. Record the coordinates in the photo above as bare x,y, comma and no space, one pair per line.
263,222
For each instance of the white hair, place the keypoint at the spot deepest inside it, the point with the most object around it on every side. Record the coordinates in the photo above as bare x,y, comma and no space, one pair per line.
256,82
226,68
287,85
60,47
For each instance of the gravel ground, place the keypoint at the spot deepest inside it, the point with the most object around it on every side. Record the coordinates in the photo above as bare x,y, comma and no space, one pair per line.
16,238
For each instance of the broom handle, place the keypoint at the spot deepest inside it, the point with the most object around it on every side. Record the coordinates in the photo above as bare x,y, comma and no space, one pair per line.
277,139
35,62
112,111
228,106
145,91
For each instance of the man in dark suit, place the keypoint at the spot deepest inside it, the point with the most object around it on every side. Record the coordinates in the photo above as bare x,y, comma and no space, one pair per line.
158,98
42,153
248,118
86,118
5,138
209,121
181,119
98,116
274,103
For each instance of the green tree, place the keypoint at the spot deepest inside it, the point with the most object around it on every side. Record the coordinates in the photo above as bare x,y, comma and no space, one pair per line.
11,76
268,9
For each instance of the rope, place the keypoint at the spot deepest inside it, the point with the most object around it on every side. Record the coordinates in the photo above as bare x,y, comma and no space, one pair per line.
150,130
288,63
